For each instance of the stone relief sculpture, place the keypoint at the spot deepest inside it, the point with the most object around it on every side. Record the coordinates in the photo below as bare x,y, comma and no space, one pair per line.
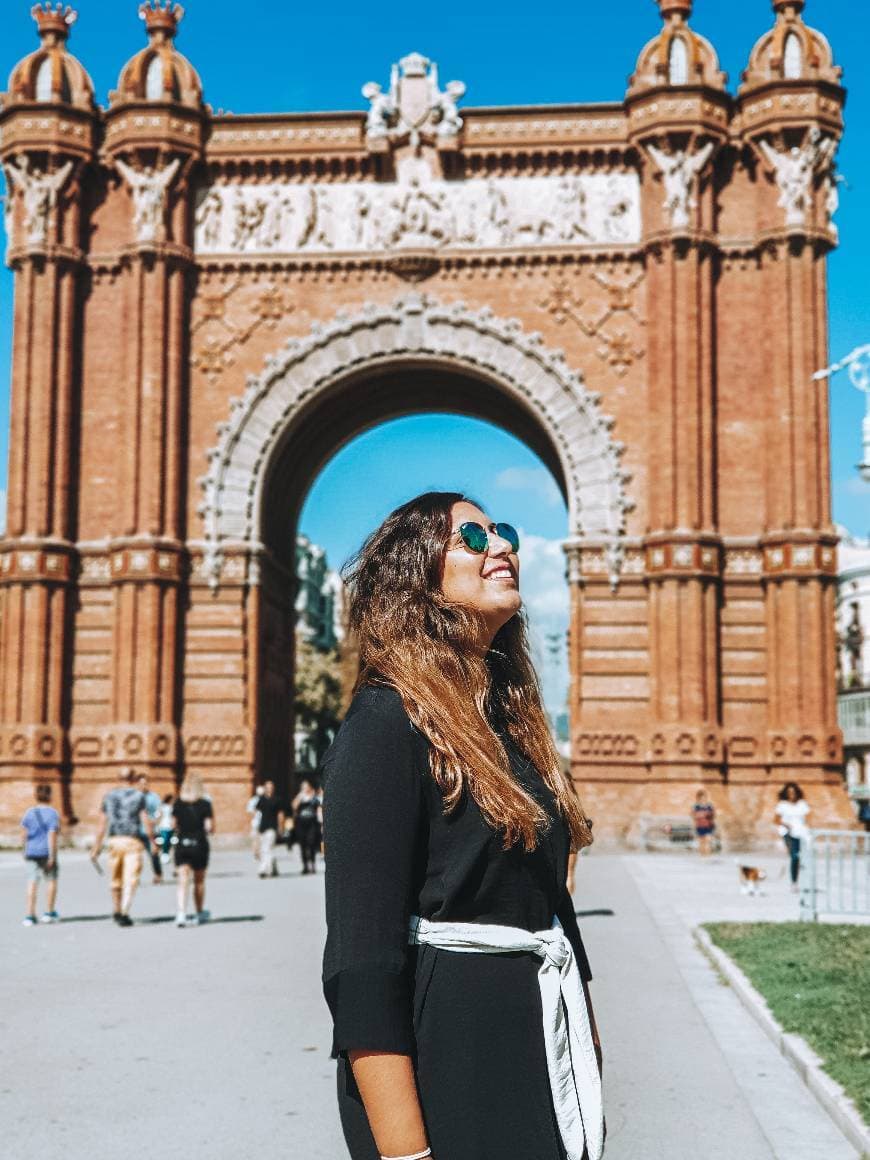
418,211
832,200
447,115
793,172
418,217
317,226
209,216
148,187
415,109
571,210
39,191
678,171
382,109
9,219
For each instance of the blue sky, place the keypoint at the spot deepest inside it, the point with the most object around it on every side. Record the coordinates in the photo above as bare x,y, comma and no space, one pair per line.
267,57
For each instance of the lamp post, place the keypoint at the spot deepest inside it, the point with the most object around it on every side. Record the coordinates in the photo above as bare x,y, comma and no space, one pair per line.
858,365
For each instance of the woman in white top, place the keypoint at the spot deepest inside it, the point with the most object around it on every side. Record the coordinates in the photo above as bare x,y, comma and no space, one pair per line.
791,820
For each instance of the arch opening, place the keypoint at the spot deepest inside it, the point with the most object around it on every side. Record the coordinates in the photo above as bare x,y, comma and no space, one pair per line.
414,355
154,79
45,80
678,62
434,445
365,401
793,57
513,374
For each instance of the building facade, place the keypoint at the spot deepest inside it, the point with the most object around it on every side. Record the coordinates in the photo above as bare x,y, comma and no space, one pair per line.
636,289
319,606
853,632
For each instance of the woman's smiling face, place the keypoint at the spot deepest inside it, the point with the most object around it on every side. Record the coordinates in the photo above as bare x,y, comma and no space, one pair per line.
487,582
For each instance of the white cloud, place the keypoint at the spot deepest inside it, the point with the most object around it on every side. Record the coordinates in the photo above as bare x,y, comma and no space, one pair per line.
534,479
2,511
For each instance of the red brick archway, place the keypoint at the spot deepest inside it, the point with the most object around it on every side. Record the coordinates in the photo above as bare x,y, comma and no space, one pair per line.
182,277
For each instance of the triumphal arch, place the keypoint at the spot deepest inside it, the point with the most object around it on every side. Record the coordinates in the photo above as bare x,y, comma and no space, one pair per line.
207,306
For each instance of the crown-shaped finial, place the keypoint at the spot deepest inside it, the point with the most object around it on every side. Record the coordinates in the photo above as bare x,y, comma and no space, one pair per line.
669,8
54,21
162,17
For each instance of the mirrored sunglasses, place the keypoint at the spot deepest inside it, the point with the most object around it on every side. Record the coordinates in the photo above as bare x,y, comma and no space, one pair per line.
475,536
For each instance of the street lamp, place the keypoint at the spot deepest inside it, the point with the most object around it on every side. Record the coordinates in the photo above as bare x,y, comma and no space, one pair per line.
858,363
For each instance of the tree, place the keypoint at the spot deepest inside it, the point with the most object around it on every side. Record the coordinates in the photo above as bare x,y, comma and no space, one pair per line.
318,701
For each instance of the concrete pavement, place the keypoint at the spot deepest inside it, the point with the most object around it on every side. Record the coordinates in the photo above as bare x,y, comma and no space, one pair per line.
214,1042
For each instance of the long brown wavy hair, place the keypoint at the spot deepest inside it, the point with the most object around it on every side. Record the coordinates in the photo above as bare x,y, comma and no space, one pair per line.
412,639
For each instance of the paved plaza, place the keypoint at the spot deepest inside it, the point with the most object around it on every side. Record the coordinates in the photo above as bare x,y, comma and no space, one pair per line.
214,1042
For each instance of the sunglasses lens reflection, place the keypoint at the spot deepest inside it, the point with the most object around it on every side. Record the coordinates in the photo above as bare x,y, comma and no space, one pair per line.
474,537
509,533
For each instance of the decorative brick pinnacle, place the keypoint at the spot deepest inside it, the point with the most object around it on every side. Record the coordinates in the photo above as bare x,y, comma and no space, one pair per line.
680,8
162,17
54,21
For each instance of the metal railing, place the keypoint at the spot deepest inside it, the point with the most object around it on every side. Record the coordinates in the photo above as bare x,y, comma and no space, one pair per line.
835,874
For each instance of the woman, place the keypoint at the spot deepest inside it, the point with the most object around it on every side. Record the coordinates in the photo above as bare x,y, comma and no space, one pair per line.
307,821
448,826
791,820
194,822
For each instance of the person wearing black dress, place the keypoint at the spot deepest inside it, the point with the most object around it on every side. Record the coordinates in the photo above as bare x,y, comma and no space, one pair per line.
453,968
307,821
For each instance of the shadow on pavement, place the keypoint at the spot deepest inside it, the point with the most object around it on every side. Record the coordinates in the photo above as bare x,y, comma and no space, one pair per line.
606,911
169,918
86,918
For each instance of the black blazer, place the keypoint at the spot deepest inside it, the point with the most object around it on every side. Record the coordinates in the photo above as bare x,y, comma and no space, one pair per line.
391,852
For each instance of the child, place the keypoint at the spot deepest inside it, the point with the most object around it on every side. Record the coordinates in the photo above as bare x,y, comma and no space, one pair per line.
166,827
704,816
41,825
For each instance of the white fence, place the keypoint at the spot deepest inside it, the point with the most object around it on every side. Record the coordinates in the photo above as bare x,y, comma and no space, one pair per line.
835,874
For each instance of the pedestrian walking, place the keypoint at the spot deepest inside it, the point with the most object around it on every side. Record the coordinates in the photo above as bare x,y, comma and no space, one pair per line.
251,808
704,820
194,822
454,969
307,823
166,828
152,808
125,818
41,826
791,814
270,825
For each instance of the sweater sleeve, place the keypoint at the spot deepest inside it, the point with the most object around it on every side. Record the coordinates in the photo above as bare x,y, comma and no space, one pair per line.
567,917
372,812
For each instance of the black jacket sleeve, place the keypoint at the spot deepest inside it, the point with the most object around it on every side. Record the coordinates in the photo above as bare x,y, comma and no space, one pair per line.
372,812
567,917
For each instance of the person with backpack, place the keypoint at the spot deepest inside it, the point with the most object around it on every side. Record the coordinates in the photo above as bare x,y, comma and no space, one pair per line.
41,825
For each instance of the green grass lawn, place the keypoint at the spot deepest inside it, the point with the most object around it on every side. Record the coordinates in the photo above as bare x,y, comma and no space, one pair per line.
816,980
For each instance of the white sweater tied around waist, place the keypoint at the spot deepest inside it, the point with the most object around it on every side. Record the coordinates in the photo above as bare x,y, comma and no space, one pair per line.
571,1061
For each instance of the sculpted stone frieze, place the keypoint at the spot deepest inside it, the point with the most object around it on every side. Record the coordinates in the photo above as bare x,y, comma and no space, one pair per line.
419,213
794,170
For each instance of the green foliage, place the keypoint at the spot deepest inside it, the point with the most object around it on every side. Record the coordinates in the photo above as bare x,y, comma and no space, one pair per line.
318,687
815,978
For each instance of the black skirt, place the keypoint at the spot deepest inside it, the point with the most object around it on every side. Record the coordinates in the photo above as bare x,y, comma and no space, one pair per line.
480,1062
192,852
